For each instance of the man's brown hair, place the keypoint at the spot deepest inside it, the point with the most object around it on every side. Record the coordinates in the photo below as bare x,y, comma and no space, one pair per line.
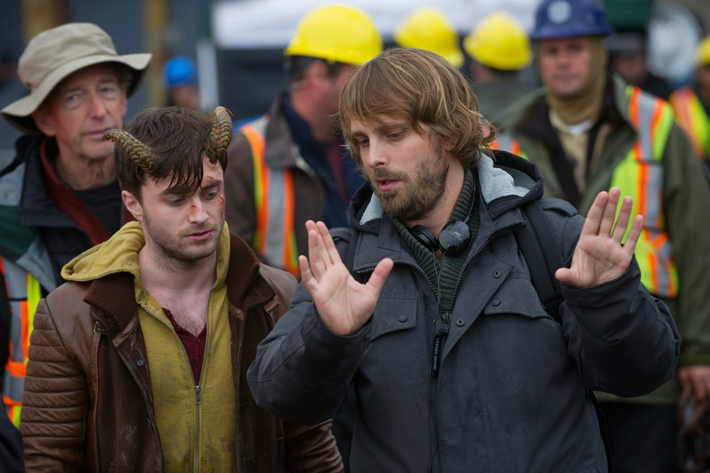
421,87
160,141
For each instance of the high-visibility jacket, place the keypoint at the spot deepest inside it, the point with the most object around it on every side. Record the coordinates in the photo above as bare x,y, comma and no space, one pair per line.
691,117
640,175
274,239
24,293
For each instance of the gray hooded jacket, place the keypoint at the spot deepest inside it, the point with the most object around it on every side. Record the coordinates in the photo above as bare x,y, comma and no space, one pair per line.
510,393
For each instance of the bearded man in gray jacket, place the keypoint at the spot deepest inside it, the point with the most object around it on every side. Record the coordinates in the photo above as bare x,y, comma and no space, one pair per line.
428,309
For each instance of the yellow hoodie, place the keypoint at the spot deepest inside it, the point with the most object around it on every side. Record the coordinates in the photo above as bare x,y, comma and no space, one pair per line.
195,423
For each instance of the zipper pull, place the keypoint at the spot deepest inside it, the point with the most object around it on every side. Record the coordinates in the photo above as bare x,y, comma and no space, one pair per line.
438,341
197,394
439,344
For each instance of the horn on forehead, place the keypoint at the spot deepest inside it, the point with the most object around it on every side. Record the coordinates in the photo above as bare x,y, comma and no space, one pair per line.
136,151
220,135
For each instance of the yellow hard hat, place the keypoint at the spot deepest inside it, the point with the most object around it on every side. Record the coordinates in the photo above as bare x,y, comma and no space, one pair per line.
428,28
499,42
336,33
702,56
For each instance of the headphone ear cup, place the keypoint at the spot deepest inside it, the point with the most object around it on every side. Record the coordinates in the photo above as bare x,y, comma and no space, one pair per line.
454,238
425,237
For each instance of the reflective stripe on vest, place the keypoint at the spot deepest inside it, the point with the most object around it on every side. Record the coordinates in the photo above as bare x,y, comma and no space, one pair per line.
506,142
274,238
24,293
640,175
691,117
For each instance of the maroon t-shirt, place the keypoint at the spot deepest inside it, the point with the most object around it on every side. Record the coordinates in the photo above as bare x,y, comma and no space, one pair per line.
194,346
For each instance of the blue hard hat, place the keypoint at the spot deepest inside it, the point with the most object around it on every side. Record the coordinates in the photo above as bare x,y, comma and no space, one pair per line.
178,71
569,18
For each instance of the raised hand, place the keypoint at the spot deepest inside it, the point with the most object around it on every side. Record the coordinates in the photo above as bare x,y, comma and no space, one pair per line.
599,256
344,304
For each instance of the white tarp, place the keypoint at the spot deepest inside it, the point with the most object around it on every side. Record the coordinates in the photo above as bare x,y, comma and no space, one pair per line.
253,24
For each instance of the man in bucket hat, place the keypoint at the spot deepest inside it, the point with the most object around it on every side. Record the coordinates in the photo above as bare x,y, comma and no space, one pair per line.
60,195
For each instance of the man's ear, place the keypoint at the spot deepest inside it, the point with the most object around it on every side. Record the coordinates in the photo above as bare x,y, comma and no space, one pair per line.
133,205
43,119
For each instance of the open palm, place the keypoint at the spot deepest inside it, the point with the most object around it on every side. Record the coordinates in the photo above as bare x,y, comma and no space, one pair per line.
600,256
343,303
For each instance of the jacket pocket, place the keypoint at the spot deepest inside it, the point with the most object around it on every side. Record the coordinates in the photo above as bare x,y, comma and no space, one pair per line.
516,296
393,315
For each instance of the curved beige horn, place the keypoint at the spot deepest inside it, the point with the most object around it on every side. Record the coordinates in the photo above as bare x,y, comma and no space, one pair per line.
221,134
136,151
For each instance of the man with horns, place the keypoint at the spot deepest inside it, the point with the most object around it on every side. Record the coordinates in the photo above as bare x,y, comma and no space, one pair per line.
138,362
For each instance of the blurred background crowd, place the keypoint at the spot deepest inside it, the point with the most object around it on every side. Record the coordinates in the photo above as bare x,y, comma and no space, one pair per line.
234,49
257,55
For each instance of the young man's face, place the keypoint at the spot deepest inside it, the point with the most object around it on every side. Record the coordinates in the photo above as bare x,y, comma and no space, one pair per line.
565,64
80,109
407,170
182,228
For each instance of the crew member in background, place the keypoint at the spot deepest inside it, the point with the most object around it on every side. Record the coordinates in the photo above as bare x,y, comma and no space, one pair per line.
180,79
499,48
692,105
289,165
428,28
587,131
627,57
59,196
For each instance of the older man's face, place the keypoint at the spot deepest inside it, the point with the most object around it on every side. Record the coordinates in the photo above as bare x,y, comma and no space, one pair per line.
80,110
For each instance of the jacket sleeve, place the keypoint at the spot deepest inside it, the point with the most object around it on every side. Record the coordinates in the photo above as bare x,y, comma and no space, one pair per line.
240,206
311,449
686,207
55,402
623,340
302,370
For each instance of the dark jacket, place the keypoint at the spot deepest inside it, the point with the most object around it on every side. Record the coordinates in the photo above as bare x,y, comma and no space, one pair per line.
88,403
510,393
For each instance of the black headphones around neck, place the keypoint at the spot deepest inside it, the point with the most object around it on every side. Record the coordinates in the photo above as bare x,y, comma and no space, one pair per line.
453,238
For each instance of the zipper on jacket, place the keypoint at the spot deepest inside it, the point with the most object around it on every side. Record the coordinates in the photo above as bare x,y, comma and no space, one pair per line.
197,389
197,423
439,340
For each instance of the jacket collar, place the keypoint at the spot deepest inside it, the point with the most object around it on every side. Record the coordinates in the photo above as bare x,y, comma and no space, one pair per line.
536,120
280,147
36,206
114,296
505,185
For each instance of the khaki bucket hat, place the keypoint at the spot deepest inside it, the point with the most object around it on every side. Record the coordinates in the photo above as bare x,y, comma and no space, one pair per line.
55,54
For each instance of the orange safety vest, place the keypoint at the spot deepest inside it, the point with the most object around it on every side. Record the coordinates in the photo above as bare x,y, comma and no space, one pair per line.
275,238
691,117
640,175
24,293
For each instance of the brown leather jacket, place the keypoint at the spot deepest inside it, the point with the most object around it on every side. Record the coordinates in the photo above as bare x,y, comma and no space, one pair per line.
88,404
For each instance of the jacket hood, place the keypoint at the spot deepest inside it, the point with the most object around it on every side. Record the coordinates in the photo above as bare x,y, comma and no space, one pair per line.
506,182
116,255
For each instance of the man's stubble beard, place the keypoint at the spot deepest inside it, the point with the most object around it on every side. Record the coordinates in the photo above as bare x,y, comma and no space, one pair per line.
172,256
417,195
